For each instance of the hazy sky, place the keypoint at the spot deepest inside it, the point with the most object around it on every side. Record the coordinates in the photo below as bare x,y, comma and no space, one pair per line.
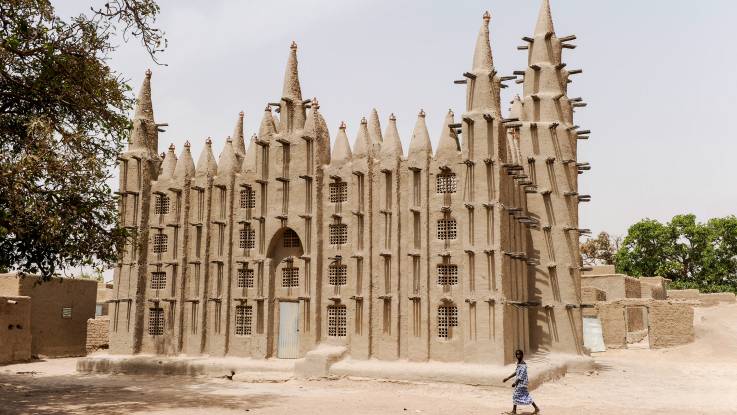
659,78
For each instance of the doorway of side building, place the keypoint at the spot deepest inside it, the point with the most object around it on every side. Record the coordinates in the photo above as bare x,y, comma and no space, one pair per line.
637,324
286,271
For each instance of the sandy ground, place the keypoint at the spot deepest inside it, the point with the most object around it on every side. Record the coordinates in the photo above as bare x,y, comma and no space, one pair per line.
699,378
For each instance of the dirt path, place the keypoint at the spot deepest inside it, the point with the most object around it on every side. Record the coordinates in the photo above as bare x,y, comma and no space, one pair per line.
700,378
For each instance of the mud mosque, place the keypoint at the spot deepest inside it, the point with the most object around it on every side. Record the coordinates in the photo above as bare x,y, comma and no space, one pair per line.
461,253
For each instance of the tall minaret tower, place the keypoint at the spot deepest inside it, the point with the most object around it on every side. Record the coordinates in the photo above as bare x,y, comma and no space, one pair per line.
139,167
489,221
548,142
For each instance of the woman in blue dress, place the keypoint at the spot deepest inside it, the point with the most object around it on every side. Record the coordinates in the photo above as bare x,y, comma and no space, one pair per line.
521,394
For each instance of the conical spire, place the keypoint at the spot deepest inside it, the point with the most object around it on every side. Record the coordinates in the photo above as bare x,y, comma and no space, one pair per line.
169,164
267,127
144,108
228,162
483,92
185,165
144,136
544,20
341,148
374,129
239,144
420,145
362,145
292,88
482,59
392,145
249,162
206,164
448,144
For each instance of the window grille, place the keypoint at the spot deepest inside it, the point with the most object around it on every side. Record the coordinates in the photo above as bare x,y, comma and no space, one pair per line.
160,243
155,321
245,278
158,280
338,234
447,318
336,321
290,276
446,183
338,192
446,229
447,274
66,312
247,238
248,198
161,206
290,239
337,274
243,319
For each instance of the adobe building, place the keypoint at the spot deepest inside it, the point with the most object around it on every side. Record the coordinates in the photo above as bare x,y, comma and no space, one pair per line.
462,253
59,309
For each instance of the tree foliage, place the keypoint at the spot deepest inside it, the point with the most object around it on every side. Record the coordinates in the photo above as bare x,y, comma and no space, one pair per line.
692,254
63,119
600,250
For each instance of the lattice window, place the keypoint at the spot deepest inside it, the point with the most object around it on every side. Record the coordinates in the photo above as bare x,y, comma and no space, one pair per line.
336,320
243,319
447,229
247,238
446,183
338,234
447,274
160,243
290,239
158,280
290,276
447,318
161,206
155,321
338,274
338,192
245,278
66,312
248,198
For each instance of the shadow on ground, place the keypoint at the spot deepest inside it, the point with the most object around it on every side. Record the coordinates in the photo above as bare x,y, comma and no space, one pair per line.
24,394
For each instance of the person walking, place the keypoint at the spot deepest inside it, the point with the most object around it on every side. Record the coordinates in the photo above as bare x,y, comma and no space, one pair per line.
521,395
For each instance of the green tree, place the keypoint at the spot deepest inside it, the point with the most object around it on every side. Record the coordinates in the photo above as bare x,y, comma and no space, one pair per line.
692,254
63,119
645,249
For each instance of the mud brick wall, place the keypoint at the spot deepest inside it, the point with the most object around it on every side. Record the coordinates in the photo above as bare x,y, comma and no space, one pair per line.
715,298
683,294
613,325
670,324
98,336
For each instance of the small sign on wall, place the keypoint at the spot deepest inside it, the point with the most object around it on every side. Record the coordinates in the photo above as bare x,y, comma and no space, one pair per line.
66,312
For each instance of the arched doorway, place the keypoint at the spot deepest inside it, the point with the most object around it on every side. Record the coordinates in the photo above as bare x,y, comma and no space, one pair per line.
286,285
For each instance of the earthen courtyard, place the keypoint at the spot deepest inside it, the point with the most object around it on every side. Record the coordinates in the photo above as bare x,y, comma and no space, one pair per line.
698,378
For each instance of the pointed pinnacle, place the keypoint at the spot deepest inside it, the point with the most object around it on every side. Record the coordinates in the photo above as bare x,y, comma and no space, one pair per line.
487,17
187,145
392,117
293,45
422,113
148,73
363,120
208,141
342,125
315,104
171,146
544,19
241,114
